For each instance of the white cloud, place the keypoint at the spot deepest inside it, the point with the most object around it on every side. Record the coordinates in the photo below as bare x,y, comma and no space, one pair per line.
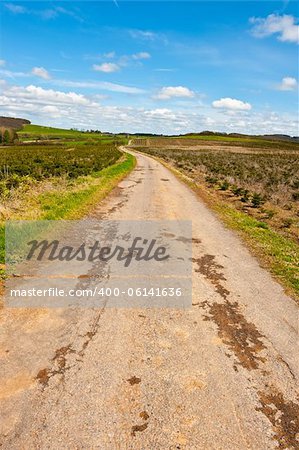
72,109
2,62
164,70
141,55
288,84
10,74
169,92
231,104
285,26
46,14
160,113
106,67
109,55
41,72
16,9
58,10
209,121
143,35
103,85
51,111
39,95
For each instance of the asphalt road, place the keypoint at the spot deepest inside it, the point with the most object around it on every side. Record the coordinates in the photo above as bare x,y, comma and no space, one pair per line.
221,374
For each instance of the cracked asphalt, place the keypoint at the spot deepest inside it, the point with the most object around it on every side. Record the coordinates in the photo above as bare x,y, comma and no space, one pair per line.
222,374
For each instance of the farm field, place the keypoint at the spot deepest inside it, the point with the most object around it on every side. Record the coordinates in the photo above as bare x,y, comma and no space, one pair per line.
57,179
254,189
263,182
23,163
40,133
242,140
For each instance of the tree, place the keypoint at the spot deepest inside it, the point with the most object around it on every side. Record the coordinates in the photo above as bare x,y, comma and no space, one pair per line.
6,137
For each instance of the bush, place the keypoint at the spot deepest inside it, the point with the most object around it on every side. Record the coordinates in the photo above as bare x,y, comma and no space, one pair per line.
237,191
6,137
245,196
211,180
224,186
287,223
269,213
257,200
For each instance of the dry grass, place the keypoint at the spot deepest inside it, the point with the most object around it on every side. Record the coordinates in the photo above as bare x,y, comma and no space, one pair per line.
263,182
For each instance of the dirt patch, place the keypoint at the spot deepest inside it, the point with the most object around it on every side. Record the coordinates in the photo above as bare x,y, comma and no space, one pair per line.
207,266
188,240
44,376
60,356
59,368
196,241
170,235
134,380
138,428
280,358
144,415
183,239
91,333
241,336
284,417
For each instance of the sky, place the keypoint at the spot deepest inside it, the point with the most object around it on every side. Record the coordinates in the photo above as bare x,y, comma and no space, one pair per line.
159,67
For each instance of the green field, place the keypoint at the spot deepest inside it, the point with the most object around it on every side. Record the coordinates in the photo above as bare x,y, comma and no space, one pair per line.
57,178
38,132
26,163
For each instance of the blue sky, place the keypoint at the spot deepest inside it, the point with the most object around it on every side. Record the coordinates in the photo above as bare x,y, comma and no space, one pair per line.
164,67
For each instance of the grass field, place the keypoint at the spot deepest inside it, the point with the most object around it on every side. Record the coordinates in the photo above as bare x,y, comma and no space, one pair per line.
38,132
256,192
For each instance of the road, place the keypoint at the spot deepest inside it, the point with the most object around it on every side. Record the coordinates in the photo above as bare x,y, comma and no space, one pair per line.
219,375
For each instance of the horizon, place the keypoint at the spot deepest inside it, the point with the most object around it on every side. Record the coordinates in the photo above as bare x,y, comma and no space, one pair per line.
123,132
120,65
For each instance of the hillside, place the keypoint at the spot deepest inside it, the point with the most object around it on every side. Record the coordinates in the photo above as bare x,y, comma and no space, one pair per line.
12,122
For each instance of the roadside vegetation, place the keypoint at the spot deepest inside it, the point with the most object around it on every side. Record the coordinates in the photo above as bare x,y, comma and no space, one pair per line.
57,178
254,189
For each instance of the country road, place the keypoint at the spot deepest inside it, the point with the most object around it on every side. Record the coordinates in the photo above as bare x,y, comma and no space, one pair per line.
220,375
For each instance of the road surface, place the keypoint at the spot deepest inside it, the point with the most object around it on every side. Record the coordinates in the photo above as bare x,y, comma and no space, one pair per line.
219,375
